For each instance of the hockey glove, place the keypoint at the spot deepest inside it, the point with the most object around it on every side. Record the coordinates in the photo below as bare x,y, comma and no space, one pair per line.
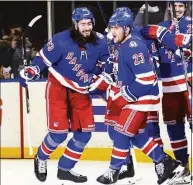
154,31
100,83
115,96
183,40
27,74
187,54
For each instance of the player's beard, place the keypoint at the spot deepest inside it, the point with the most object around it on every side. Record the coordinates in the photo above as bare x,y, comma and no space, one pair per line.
81,40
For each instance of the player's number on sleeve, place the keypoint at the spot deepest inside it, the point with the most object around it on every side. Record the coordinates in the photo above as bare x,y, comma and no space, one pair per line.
138,58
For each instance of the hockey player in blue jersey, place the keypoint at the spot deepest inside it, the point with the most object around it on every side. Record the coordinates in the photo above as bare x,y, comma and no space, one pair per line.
71,57
134,95
127,170
175,79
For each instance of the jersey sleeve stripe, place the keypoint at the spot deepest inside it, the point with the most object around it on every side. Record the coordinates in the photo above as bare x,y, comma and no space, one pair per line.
46,61
145,75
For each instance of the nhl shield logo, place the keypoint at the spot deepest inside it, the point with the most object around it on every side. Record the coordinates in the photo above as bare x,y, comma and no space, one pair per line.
133,44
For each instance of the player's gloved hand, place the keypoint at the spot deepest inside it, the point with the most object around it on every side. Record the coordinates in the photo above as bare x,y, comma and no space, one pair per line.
183,40
27,74
153,31
153,9
100,83
186,52
116,97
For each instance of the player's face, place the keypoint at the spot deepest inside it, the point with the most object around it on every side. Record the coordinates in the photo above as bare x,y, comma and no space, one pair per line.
118,33
179,9
85,27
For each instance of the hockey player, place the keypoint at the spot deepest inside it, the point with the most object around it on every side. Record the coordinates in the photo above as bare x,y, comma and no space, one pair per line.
71,57
176,105
132,98
127,170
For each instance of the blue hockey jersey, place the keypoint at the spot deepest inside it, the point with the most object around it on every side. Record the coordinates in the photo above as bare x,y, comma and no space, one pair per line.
136,77
171,68
70,65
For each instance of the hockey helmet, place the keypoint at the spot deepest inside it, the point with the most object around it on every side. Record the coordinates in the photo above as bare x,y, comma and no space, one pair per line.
123,9
122,19
82,13
177,1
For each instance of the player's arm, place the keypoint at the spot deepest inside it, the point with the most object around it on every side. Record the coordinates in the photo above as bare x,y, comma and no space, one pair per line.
164,36
46,57
49,54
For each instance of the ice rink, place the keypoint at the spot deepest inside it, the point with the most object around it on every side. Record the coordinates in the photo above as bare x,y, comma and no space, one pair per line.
21,172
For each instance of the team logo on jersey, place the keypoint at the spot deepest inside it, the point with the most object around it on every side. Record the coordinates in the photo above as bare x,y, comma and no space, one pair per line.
50,45
133,44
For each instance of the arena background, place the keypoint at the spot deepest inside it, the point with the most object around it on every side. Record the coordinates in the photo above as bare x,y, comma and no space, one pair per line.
14,143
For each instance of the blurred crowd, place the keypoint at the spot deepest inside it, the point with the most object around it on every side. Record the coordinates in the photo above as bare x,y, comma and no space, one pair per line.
12,52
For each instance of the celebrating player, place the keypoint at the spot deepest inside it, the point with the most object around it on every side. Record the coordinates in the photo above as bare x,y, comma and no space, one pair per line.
71,57
134,95
174,37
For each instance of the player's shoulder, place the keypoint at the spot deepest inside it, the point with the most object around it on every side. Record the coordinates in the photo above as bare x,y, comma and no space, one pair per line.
101,39
135,42
62,39
187,19
99,36
62,35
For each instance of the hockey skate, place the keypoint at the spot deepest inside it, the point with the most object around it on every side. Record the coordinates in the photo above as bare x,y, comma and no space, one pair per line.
186,177
109,177
127,171
168,171
40,169
71,176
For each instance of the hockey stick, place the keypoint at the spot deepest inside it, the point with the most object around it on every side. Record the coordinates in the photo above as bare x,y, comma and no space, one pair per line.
25,63
146,13
106,24
185,66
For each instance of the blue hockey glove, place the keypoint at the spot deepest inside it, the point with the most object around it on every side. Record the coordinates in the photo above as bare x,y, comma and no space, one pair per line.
27,74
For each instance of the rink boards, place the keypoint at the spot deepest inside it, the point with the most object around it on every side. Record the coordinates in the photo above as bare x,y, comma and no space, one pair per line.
14,135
